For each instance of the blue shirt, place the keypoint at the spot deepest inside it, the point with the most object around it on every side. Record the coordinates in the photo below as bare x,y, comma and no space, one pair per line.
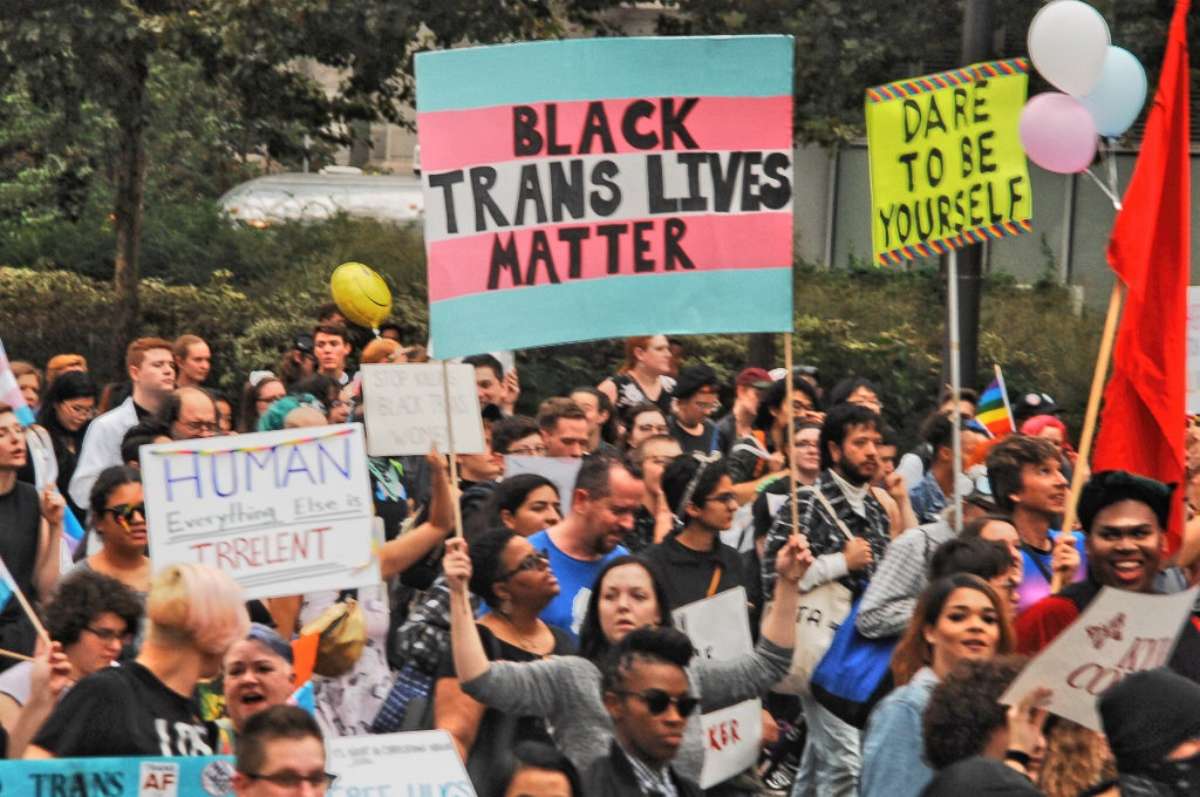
894,744
927,499
1035,582
575,581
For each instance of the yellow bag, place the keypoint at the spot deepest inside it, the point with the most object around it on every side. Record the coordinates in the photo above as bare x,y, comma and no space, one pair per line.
343,635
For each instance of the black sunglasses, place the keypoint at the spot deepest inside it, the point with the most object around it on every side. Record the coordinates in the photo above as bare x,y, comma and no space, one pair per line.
539,560
657,701
126,511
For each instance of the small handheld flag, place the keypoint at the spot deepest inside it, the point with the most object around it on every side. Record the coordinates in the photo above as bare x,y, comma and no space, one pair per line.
10,391
993,410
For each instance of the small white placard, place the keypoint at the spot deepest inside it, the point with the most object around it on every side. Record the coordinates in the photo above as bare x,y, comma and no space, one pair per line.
405,409
422,762
1121,632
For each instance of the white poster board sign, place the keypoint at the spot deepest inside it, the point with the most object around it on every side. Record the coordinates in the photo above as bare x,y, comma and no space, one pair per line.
1193,351
720,629
1121,632
405,409
282,512
418,763
561,470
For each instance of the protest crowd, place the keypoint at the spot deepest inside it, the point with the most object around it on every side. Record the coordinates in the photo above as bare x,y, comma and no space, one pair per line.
542,639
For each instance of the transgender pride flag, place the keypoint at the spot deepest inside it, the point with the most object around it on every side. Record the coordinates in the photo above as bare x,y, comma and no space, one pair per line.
10,392
606,187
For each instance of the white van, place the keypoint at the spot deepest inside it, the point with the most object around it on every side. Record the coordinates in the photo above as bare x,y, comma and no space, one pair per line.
295,196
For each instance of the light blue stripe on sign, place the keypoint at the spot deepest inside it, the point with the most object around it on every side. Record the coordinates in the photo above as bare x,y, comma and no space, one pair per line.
734,300
586,69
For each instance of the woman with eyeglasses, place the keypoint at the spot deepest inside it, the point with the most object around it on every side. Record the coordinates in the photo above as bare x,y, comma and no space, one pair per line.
68,406
262,390
516,583
692,561
91,616
565,690
119,518
146,707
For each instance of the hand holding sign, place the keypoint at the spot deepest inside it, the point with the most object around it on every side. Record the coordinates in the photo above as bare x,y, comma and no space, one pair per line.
456,564
794,559
1026,720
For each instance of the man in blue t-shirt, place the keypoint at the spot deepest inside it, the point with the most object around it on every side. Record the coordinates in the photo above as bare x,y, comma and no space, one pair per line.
603,504
1027,482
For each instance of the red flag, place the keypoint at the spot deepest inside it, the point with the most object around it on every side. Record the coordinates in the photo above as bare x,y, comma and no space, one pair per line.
1144,421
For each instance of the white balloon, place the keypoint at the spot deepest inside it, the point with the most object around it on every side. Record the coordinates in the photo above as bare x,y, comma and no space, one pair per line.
1068,41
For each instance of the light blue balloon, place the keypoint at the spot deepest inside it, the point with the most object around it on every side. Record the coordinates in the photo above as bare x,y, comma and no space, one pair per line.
1118,98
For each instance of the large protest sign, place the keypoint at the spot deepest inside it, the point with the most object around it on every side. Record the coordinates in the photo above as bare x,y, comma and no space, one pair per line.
1121,632
282,512
626,186
947,165
405,409
133,776
1193,351
419,763
719,630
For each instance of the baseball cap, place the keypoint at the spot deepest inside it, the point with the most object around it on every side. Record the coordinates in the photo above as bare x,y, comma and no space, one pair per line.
1030,404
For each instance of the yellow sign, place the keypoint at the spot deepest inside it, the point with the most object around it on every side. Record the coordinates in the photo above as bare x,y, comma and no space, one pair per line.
947,166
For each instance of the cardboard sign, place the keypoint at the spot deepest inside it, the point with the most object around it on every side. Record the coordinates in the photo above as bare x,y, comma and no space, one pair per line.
405,409
420,763
200,776
947,165
283,513
1193,351
1121,632
632,185
561,470
720,630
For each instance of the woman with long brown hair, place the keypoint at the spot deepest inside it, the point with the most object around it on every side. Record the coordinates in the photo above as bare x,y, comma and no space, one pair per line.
958,618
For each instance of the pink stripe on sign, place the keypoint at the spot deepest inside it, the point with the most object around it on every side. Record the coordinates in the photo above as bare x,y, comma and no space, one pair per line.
462,266
453,139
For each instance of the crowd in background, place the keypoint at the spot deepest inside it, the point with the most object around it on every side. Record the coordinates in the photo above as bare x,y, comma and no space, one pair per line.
542,639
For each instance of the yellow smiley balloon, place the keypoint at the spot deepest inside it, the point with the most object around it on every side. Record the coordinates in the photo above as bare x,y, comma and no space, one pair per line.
361,294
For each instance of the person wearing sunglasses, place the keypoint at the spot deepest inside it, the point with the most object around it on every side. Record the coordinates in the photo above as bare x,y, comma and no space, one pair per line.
515,581
647,695
693,562
119,518
281,751
625,595
189,413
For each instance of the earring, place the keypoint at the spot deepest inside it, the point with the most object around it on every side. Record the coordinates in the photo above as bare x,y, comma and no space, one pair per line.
506,607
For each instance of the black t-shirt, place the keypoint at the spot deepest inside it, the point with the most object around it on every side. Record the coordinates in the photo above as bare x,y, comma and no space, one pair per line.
705,442
125,711
20,522
686,574
499,732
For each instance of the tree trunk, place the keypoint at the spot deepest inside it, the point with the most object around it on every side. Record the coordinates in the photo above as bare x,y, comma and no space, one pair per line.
762,350
131,114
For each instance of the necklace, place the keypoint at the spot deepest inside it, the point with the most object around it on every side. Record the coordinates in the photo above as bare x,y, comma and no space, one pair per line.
523,642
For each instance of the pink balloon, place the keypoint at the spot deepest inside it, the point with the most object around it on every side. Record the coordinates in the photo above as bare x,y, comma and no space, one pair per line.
1058,133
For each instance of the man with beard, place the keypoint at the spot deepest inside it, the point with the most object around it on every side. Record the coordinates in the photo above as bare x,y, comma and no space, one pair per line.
849,461
603,505
1027,483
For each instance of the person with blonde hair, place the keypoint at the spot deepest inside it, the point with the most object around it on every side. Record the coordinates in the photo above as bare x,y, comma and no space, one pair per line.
145,707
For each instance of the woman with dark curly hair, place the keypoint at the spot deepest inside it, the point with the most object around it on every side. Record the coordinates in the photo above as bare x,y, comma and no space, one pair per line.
516,583
959,617
91,616
964,717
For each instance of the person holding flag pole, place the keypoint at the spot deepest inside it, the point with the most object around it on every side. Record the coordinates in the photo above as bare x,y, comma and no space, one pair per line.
30,546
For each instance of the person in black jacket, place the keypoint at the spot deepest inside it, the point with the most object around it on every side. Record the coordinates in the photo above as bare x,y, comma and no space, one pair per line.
646,694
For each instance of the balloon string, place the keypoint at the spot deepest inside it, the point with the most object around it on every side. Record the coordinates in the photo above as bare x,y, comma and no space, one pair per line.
1116,201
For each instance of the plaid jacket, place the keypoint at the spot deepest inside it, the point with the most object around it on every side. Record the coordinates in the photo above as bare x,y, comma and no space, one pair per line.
824,536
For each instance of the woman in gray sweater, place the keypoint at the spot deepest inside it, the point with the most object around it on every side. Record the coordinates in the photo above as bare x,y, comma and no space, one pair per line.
565,690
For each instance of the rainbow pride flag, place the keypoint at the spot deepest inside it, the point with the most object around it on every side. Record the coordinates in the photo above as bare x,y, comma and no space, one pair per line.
993,410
